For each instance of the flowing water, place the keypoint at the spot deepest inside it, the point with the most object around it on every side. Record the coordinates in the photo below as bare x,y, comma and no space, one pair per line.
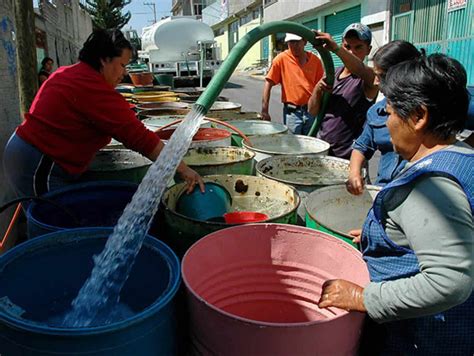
112,266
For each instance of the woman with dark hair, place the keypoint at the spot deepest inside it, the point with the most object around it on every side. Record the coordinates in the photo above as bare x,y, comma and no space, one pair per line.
45,70
75,114
375,135
417,239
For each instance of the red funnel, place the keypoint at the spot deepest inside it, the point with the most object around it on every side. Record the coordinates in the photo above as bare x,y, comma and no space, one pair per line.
244,217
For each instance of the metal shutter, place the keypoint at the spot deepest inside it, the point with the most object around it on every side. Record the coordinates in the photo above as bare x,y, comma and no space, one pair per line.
335,24
313,24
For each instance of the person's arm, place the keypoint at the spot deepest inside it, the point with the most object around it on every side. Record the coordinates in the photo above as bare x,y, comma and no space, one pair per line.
42,78
267,88
363,149
314,103
190,176
355,181
111,114
352,63
436,219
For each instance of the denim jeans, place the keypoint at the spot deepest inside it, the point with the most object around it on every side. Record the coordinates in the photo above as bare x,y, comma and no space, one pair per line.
298,121
21,161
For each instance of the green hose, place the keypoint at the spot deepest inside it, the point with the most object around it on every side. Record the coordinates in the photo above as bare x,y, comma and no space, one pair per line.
217,83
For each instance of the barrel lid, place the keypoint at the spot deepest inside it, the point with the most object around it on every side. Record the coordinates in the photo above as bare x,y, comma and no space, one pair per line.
283,144
305,170
257,127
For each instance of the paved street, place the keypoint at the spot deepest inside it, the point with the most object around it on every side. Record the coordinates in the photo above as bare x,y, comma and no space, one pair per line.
247,90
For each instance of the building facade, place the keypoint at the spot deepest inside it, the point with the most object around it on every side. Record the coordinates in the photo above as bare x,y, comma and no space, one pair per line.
443,26
331,16
9,100
61,29
188,7
231,20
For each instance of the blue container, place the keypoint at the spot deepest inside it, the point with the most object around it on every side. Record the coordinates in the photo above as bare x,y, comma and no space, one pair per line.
43,275
212,204
93,204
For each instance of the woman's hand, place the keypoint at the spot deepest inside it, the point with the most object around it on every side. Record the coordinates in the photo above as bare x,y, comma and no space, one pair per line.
342,294
355,184
191,177
356,235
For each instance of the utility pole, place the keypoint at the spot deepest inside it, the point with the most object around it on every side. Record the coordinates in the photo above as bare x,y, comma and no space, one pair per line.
26,53
153,6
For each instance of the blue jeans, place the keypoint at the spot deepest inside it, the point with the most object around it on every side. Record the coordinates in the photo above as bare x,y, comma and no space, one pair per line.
298,121
28,170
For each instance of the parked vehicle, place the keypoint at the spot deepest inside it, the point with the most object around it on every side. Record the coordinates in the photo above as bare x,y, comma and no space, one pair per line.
181,46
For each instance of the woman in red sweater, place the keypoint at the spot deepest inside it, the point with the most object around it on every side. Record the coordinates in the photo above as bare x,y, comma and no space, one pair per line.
75,114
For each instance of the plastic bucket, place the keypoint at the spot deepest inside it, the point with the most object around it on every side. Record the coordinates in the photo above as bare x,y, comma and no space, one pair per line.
93,204
165,79
142,78
220,160
255,127
204,137
306,173
335,211
213,203
278,201
244,217
283,144
117,164
42,276
253,290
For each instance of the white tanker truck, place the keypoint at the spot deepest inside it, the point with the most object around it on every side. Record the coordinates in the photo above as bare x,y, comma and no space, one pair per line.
181,46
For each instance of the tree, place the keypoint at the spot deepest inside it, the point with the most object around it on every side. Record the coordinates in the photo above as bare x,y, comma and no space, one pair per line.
107,14
26,53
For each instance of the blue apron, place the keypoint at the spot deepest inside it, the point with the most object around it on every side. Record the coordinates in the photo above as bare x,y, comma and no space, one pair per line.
447,333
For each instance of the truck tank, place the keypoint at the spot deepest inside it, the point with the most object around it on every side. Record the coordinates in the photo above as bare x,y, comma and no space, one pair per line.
176,38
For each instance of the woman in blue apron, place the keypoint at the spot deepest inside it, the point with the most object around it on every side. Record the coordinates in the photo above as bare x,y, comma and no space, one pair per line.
417,239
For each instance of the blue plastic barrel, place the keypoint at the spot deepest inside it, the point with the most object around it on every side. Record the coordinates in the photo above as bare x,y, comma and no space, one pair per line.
42,276
92,204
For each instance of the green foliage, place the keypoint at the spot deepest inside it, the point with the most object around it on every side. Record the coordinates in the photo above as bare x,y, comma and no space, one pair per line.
107,14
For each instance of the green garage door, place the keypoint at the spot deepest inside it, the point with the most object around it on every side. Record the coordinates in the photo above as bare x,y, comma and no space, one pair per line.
313,24
336,23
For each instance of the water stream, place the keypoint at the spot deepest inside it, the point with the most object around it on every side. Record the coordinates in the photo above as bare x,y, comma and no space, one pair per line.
112,266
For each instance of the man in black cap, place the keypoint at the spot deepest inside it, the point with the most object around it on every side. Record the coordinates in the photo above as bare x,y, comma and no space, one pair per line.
353,91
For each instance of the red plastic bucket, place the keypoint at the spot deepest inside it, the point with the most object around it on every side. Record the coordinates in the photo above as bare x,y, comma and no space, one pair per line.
206,137
244,217
253,290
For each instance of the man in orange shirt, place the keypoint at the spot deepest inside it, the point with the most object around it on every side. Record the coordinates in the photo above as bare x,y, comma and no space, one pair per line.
298,72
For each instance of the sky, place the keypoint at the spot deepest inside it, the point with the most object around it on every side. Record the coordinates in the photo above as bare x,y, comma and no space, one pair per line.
142,15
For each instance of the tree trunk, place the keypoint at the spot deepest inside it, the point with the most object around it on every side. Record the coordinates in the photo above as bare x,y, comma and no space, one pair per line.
26,53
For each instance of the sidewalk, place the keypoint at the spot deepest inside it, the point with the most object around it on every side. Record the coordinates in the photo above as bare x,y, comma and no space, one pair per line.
258,73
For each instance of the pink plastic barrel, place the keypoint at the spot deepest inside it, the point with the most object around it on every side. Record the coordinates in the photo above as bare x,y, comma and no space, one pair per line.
244,217
253,290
